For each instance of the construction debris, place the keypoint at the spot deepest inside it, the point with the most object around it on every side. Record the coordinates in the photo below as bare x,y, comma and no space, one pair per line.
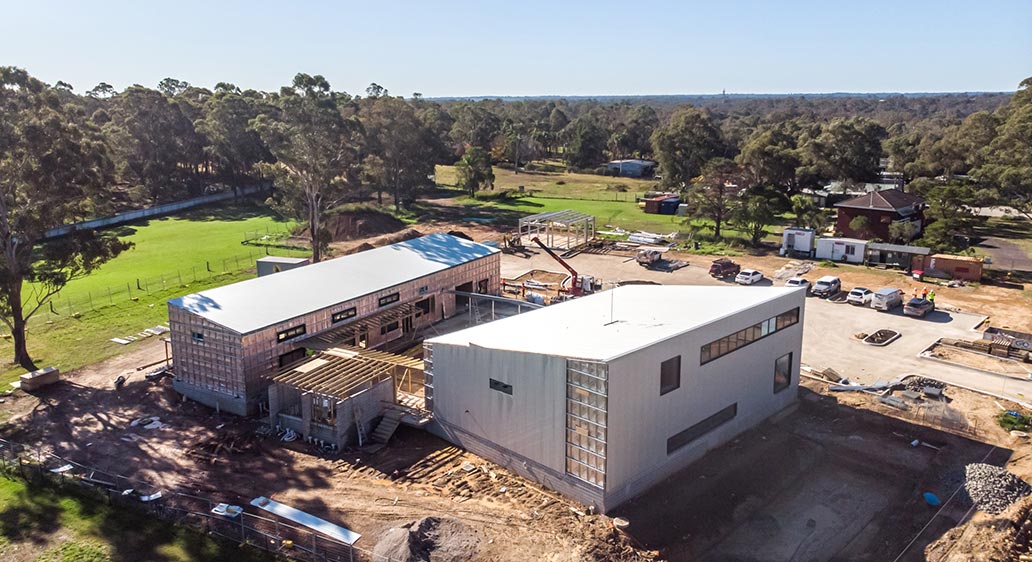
992,488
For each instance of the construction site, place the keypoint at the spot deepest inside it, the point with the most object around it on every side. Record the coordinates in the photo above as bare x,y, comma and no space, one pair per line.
869,452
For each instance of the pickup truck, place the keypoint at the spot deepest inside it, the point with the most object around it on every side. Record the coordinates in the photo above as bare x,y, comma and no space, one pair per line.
723,268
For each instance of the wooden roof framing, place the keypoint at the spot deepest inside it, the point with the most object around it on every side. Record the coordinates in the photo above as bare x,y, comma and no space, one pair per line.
344,371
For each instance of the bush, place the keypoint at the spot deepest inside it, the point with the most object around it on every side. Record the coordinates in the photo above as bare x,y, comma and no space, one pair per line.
827,263
1014,421
560,182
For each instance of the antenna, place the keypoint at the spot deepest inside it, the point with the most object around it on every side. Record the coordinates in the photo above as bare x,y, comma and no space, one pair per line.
612,302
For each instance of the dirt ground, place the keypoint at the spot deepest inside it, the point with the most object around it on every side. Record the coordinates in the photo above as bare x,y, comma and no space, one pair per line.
981,361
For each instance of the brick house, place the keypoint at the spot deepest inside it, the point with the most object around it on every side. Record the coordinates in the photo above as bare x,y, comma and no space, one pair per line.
882,209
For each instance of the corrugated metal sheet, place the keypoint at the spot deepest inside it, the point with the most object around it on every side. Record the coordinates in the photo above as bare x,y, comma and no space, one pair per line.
257,303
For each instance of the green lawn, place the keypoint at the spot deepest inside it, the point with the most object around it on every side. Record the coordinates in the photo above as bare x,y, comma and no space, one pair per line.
565,185
178,247
75,527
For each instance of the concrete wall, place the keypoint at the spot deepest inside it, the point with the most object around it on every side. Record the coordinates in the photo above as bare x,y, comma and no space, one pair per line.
641,421
369,403
531,423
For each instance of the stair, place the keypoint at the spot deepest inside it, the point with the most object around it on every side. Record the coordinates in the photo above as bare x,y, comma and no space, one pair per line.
387,426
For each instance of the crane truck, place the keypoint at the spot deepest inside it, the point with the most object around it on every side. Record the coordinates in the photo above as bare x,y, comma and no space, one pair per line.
579,284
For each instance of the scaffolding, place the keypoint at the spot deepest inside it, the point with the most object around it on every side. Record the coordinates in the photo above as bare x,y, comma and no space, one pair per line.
561,230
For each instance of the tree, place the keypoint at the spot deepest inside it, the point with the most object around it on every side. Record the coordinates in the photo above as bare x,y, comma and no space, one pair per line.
713,194
847,149
861,225
172,87
807,213
401,158
951,210
684,144
585,143
102,90
232,146
316,152
474,125
754,212
770,157
50,170
474,170
1008,160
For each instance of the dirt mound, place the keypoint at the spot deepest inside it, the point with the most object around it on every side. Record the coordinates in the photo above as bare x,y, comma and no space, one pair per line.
352,225
431,539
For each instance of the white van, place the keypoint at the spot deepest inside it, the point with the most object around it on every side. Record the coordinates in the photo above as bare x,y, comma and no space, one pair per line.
887,299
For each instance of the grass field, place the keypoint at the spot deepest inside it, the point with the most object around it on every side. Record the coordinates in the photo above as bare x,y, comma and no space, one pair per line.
574,186
53,527
174,247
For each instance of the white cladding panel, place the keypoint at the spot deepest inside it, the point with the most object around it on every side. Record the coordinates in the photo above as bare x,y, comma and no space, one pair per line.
531,422
641,420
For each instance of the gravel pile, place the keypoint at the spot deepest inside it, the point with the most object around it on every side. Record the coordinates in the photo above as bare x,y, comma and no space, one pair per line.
918,384
993,488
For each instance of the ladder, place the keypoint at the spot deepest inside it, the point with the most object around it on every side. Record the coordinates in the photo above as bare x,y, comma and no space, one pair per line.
361,429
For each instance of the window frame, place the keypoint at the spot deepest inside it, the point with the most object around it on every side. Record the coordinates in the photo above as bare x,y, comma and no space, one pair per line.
739,339
499,386
291,333
788,373
389,299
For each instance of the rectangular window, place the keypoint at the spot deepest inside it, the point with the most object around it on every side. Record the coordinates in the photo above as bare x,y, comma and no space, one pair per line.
702,428
782,372
670,375
198,337
727,344
501,387
850,250
343,315
425,306
389,299
384,330
290,333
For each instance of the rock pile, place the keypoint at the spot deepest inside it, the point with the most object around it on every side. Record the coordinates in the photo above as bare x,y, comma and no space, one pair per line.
918,384
992,488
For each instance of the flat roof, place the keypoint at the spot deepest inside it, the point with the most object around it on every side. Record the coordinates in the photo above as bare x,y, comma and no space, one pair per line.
644,314
265,301
282,259
916,250
844,240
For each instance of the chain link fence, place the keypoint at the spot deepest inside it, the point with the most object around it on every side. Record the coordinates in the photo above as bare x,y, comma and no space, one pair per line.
279,537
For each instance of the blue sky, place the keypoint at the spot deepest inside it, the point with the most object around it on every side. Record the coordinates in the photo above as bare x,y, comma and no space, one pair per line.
530,47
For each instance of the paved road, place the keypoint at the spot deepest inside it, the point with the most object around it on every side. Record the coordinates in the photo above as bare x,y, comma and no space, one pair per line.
1006,254
828,329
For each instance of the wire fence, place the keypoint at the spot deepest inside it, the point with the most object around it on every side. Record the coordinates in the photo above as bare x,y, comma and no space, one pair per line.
618,196
270,534
136,287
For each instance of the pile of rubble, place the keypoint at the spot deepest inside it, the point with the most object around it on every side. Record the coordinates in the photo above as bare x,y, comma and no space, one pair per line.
918,384
992,488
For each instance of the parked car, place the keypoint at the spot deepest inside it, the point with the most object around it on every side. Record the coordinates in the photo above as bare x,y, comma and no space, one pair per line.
827,286
918,307
798,282
860,296
649,257
886,299
748,277
724,268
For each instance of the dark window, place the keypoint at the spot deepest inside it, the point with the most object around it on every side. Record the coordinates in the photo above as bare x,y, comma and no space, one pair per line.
389,299
670,375
742,338
702,428
290,333
501,386
197,336
292,356
850,250
425,306
384,330
343,315
782,372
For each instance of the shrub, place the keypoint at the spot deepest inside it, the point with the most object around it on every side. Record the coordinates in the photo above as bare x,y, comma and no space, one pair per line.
1014,421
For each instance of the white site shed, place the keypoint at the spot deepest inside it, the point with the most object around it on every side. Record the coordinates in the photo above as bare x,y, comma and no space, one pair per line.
602,397
850,250
798,241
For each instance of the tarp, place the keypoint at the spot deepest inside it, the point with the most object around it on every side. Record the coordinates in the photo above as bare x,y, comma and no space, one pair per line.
346,536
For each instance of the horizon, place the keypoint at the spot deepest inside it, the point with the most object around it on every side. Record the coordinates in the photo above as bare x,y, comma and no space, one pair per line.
457,48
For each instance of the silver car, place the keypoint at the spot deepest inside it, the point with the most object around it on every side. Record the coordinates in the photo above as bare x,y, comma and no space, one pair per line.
860,296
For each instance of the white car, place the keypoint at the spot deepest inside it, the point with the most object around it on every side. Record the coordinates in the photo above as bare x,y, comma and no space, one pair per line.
860,296
748,277
798,282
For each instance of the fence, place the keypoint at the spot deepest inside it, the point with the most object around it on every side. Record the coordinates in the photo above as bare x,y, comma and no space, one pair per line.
137,287
179,508
619,196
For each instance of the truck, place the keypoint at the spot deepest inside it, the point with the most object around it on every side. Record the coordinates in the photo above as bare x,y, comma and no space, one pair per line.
723,268
647,257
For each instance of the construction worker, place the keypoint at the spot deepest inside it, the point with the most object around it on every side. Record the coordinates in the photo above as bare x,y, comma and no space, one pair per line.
924,293
931,297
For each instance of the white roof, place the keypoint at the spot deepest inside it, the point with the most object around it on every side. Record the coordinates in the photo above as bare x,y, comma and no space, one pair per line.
644,314
265,301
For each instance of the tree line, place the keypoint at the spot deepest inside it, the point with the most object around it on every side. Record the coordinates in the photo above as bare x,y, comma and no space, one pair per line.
66,156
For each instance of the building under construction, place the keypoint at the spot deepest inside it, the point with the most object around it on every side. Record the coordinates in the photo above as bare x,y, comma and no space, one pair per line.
228,341
560,230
